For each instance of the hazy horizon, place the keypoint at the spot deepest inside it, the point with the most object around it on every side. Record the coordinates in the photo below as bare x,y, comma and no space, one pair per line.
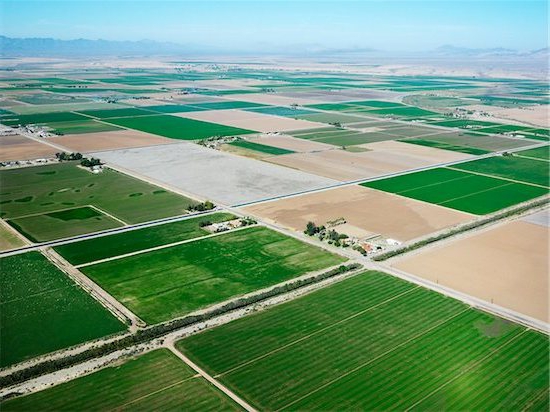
263,25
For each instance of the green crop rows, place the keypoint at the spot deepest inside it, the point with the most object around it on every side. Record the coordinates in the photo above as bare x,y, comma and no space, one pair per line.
262,148
42,310
171,282
374,342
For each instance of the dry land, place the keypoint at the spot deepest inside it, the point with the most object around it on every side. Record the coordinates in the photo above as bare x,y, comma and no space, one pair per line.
370,210
119,139
22,148
213,174
507,266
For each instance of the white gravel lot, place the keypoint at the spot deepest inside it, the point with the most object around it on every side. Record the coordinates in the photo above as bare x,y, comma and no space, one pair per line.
208,173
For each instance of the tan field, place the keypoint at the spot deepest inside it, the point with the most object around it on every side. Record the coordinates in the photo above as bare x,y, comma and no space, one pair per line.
507,266
367,209
530,115
292,143
120,139
9,238
22,148
381,158
250,120
143,102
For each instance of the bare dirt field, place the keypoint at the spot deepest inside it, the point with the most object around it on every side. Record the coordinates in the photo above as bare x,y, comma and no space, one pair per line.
381,158
507,266
532,115
119,139
370,210
212,174
250,120
22,148
291,143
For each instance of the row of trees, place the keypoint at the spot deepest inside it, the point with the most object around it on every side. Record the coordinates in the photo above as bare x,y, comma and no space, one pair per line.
331,235
201,207
84,161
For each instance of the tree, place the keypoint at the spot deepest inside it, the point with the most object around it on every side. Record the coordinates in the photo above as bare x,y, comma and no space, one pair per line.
311,229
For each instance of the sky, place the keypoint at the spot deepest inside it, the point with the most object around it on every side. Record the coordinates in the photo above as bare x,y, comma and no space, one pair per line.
391,25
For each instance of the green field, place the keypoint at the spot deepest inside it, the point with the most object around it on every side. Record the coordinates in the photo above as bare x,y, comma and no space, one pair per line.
45,189
177,127
41,118
511,167
262,148
542,153
226,105
174,108
117,244
125,112
171,282
331,118
80,127
459,190
344,137
281,111
446,146
64,223
375,342
8,239
157,380
42,310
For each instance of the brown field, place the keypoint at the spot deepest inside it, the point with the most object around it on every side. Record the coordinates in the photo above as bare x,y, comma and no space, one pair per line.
292,143
507,265
381,158
367,209
9,238
119,139
22,148
250,120
532,115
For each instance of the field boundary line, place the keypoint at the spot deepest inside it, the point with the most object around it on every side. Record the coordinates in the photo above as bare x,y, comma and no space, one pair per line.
108,214
532,158
383,354
46,213
168,245
210,379
498,177
265,355
468,369
430,185
475,193
118,407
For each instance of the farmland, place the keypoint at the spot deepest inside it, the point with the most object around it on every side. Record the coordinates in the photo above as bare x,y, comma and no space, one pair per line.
459,190
168,283
121,243
383,330
156,380
262,148
44,191
44,311
177,127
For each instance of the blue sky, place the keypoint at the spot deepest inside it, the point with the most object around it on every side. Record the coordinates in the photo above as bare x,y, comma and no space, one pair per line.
251,25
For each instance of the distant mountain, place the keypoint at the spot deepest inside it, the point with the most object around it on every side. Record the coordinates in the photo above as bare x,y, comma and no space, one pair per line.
12,47
450,50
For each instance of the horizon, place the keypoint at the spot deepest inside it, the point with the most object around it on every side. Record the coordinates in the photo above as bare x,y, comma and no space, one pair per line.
392,26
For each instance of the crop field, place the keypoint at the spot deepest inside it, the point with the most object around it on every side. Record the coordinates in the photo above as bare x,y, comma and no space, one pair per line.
262,148
44,311
542,153
374,342
157,380
331,118
178,127
39,191
9,239
81,127
281,111
104,247
63,223
459,190
344,137
167,283
42,118
61,106
446,146
126,112
515,168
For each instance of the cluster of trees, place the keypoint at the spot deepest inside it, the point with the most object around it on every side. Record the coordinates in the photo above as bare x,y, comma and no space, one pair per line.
157,331
63,156
90,162
247,221
336,124
331,235
201,207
